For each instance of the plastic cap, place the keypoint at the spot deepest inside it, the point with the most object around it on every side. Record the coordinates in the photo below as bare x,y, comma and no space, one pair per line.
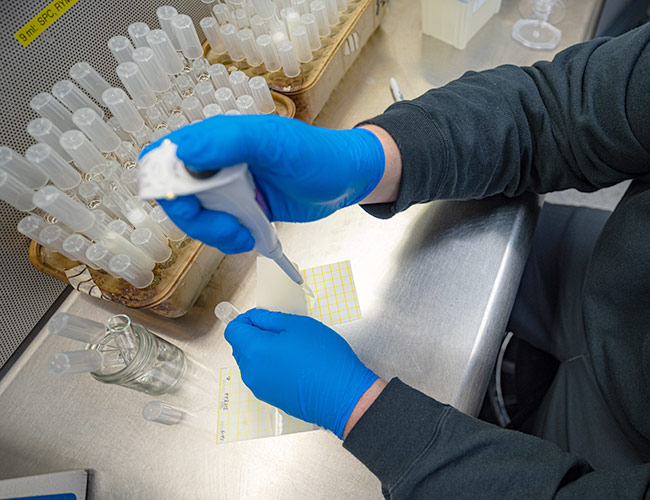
43,130
222,13
192,107
162,413
121,48
226,312
187,37
332,12
301,43
269,53
31,226
48,107
290,64
70,212
138,33
210,28
25,171
99,255
63,175
99,132
165,14
246,105
225,99
123,266
73,98
212,110
88,78
264,8
309,22
219,76
151,69
155,247
71,362
258,25
262,95
249,47
319,10
14,192
229,36
205,92
124,109
135,83
163,48
82,151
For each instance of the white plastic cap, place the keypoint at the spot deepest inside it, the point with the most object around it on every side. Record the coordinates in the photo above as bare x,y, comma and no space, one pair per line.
269,53
262,95
99,255
264,8
200,68
258,25
76,245
31,226
121,48
124,109
88,78
152,245
14,192
76,328
309,22
138,33
212,110
163,48
319,10
25,171
187,37
239,83
71,362
99,132
222,13
136,84
84,154
48,107
52,236
63,175
193,108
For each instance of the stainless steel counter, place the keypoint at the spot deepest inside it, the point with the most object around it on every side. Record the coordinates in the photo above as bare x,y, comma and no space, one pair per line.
435,284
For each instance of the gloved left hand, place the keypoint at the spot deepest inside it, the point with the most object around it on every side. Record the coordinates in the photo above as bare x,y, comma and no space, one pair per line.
299,365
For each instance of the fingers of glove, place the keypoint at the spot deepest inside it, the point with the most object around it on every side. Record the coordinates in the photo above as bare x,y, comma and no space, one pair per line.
241,334
277,321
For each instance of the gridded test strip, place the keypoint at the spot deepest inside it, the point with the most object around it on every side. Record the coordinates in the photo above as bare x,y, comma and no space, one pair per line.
336,294
242,416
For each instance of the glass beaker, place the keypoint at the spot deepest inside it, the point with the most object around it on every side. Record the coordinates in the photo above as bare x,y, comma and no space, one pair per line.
150,364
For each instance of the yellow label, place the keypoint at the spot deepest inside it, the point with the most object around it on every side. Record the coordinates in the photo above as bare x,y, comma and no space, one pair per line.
41,21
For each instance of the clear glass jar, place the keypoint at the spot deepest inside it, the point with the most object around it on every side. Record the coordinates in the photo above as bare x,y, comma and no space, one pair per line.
140,360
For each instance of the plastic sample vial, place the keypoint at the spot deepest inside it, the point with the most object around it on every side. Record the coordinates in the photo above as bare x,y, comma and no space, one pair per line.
319,11
193,108
162,413
301,6
152,245
121,48
249,47
301,43
262,95
156,116
309,22
138,33
76,245
82,151
89,80
341,5
269,53
123,108
26,171
229,36
210,28
184,84
72,362
121,265
187,37
241,19
136,84
14,192
129,179
239,83
165,15
76,328
287,54
226,312
200,69
64,176
48,107
332,12
172,102
53,236
223,14
98,255
212,110
114,123
170,230
246,105
121,228
219,76
205,92
151,69
31,226
70,212
291,17
97,130
177,121
225,99
43,130
73,98
264,8
258,26
164,50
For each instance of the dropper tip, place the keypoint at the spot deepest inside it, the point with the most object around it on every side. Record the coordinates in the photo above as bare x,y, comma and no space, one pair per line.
307,289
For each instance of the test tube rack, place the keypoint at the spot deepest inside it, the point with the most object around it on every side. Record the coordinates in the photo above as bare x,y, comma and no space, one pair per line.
311,89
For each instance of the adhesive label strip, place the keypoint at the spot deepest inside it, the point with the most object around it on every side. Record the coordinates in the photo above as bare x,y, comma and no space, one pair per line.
41,21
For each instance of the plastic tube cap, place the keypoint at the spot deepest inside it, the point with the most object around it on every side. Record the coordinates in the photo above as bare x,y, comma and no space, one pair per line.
163,48
151,69
187,37
43,130
269,53
246,105
219,76
222,13
138,33
193,108
125,268
121,48
249,47
157,248
73,98
25,171
162,413
88,78
31,226
99,255
301,43
229,36
309,22
319,10
225,99
212,110
290,64
264,8
45,158
205,92
124,109
99,132
83,152
258,25
262,95
239,83
15,192
48,107
165,14
210,28
70,212
71,362
135,83
226,312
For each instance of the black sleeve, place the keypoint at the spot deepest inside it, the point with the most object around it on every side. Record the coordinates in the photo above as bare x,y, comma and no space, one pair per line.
420,448
580,121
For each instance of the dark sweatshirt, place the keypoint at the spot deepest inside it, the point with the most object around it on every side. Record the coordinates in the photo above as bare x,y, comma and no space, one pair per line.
581,121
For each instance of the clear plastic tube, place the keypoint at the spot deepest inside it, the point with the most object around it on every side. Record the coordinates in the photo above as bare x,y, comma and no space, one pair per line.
290,64
269,53
162,413
262,95
143,136
157,248
172,102
165,14
291,17
187,37
136,84
14,192
319,11
205,92
114,123
82,151
124,267
139,217
48,107
129,179
76,245
309,22
123,108
332,12
53,237
163,48
184,84
174,122
97,130
212,110
43,130
223,14
76,328
73,362
26,171
241,19
156,116
159,133
265,8
226,312
97,254
201,69
341,5
59,205
89,80
225,99
152,69
246,105
210,28
219,76
193,108
229,36
121,228
301,43
258,26
170,230
73,98
31,226
301,6
45,158
239,83
138,33
121,48
249,47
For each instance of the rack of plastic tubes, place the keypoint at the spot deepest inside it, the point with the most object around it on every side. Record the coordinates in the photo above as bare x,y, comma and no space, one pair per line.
78,182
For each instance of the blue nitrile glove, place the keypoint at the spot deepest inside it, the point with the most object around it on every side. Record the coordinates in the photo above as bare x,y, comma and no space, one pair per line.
299,365
304,173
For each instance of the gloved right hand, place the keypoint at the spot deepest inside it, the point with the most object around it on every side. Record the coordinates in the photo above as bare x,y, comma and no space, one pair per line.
304,173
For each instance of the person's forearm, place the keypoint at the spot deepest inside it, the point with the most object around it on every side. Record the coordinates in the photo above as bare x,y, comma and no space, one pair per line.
363,404
387,189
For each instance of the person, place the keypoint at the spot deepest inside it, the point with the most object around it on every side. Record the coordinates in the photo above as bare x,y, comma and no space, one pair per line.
579,121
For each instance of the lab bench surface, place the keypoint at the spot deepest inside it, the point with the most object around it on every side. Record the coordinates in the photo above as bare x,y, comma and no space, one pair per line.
435,284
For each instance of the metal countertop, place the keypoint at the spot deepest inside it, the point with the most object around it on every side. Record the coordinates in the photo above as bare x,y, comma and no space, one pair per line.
435,284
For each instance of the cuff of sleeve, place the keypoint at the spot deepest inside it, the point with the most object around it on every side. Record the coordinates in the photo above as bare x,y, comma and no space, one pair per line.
424,156
394,430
